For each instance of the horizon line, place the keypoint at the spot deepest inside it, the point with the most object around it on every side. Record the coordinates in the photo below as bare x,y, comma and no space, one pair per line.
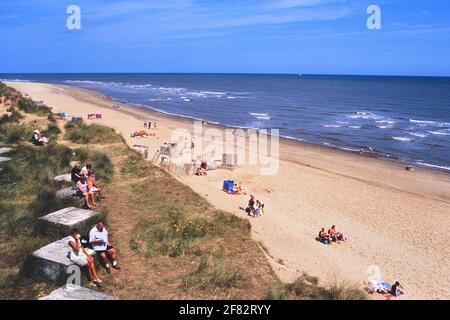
228,73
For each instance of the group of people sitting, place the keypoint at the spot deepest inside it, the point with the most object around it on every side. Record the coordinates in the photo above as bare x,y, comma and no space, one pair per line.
85,184
382,287
331,236
39,139
83,249
255,208
201,170
141,134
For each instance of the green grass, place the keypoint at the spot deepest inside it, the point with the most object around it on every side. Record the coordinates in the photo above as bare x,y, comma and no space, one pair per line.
307,287
52,131
28,106
212,274
27,192
14,117
11,133
81,133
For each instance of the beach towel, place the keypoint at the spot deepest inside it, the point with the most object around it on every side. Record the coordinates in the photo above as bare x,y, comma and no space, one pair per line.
63,114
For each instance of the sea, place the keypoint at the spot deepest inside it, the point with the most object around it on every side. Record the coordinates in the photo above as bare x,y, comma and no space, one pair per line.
402,118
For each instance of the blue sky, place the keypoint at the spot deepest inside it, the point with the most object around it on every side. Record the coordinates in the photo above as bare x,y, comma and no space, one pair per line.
254,36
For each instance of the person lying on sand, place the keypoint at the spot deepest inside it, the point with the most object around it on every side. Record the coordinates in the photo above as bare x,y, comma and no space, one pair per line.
396,290
83,189
335,235
324,237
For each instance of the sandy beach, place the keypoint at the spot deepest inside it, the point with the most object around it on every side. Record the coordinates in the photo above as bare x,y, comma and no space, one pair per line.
395,219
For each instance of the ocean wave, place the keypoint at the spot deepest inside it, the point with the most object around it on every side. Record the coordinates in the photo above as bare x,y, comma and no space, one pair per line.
404,139
415,134
430,123
160,99
365,115
432,166
258,114
331,125
14,80
386,121
93,82
443,132
355,127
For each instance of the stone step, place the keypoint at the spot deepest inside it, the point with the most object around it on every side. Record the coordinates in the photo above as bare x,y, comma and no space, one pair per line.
74,292
50,262
63,178
5,150
4,160
64,220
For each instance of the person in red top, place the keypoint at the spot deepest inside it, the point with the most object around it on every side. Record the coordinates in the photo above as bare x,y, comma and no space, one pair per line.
92,184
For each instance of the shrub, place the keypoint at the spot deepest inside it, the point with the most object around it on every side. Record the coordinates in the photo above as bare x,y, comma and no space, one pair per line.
81,133
213,274
307,287
52,131
28,106
14,133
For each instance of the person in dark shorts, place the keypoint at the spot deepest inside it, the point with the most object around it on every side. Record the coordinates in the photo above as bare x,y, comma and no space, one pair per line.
76,173
99,240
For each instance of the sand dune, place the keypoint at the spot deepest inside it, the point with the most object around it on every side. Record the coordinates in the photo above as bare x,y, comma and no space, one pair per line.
396,220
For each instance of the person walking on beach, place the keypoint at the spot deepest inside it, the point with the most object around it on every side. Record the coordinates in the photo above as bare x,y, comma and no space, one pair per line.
99,239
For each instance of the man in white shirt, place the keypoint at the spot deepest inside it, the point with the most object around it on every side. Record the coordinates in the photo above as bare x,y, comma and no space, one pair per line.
99,240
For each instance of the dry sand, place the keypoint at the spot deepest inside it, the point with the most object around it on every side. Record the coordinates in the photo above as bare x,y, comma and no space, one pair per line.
396,220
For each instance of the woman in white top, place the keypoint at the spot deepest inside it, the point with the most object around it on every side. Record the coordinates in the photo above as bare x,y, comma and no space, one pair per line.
80,256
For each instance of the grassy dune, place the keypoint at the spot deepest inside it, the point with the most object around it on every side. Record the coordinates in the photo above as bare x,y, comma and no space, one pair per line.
172,243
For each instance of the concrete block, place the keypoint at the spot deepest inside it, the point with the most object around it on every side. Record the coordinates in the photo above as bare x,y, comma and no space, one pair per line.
74,292
50,262
4,160
63,178
64,220
5,150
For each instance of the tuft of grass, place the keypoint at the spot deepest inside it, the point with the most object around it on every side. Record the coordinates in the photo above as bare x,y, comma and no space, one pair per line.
307,287
52,131
81,133
14,117
11,133
277,291
213,274
28,106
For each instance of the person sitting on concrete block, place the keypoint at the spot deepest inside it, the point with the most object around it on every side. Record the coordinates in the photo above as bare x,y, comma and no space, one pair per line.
81,257
99,239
